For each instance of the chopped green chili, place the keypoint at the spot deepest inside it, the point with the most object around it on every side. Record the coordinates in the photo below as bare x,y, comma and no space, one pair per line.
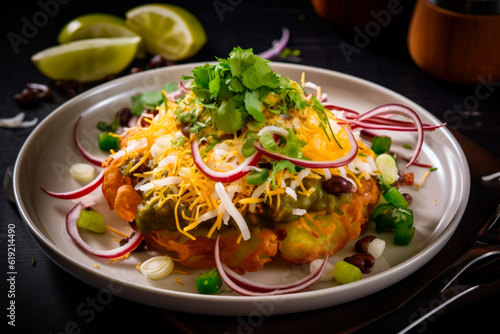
395,197
400,220
108,142
258,177
381,144
209,282
403,234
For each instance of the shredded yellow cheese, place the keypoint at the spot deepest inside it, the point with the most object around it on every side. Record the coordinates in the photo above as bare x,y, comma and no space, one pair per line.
196,192
121,234
420,184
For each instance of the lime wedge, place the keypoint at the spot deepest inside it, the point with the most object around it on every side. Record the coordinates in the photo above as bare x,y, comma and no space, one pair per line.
387,166
167,30
97,26
87,60
94,26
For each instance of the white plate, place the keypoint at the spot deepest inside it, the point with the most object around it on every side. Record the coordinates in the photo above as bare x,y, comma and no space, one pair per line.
48,153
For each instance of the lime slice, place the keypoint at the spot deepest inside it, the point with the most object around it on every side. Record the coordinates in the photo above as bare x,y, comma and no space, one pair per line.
88,59
97,26
387,166
167,30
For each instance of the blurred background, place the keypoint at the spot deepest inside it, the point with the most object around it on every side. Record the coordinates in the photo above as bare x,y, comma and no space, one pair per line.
364,38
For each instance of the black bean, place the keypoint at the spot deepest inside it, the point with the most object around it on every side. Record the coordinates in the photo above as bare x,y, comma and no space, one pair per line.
401,176
281,234
110,77
408,198
337,185
185,130
70,88
361,245
26,97
43,91
369,259
136,70
124,114
157,61
356,260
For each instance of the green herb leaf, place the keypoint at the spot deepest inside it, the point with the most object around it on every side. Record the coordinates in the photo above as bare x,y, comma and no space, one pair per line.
169,87
111,127
254,106
151,100
260,74
381,144
239,60
247,150
257,177
278,167
229,116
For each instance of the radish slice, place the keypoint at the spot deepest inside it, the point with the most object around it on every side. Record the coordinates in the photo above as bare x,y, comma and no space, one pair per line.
72,229
230,176
349,157
249,288
87,189
278,45
89,157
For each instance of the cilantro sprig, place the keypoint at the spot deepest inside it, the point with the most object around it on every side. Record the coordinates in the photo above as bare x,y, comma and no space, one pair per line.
150,99
236,90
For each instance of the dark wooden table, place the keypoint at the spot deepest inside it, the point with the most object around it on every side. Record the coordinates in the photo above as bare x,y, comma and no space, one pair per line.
47,297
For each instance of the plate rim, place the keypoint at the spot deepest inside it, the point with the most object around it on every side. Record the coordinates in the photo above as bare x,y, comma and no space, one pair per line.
422,257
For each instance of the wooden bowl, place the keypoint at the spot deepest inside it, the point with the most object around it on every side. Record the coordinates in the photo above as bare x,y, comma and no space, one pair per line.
455,47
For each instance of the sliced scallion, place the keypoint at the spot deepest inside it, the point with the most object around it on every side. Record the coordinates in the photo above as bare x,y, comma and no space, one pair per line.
344,272
92,221
268,142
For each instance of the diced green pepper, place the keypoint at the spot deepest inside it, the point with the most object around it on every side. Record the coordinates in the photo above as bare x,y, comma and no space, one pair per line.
381,144
209,282
384,222
382,209
389,217
395,197
402,234
108,142
258,177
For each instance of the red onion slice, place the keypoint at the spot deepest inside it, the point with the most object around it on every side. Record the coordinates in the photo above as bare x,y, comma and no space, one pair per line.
85,190
348,113
391,124
224,177
278,45
89,157
349,157
403,111
72,229
185,89
249,288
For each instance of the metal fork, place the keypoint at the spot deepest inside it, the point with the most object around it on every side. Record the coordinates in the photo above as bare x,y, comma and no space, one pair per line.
443,289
